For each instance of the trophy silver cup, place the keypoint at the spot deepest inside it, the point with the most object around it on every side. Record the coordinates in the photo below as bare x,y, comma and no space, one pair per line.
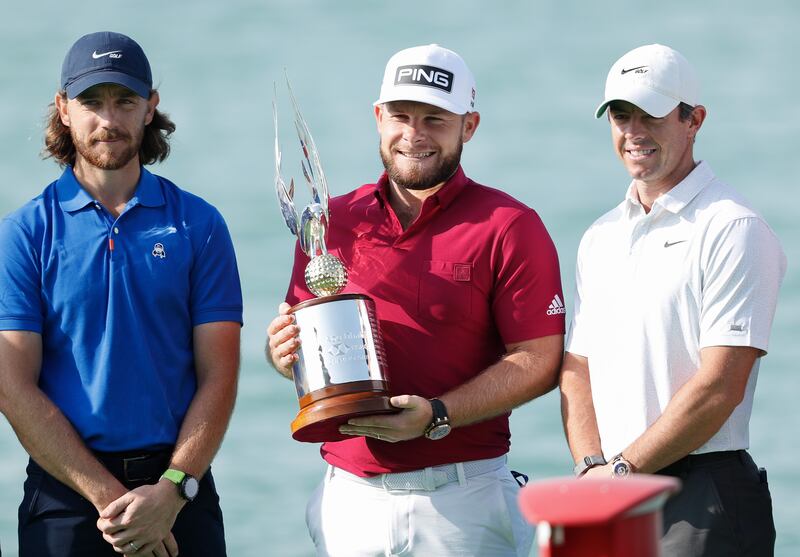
341,372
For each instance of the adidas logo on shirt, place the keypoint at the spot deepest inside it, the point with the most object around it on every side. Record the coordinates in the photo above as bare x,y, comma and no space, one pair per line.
556,306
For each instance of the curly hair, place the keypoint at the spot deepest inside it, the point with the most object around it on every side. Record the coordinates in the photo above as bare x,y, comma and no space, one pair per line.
58,141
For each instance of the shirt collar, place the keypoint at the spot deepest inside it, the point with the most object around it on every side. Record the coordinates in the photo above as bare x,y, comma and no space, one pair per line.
443,198
148,190
682,194
72,196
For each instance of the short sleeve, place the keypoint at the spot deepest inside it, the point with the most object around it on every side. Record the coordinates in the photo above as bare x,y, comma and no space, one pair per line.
20,280
216,290
575,342
744,265
528,299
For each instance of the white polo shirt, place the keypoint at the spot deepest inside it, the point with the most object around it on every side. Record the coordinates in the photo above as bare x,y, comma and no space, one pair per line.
700,269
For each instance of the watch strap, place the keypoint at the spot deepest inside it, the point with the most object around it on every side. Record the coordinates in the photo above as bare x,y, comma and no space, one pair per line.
587,462
175,476
440,416
439,410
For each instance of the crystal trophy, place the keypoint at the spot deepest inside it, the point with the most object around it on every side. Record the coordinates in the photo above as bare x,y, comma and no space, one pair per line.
341,372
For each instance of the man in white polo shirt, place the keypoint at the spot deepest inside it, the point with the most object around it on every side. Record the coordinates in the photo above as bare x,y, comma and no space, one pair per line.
676,291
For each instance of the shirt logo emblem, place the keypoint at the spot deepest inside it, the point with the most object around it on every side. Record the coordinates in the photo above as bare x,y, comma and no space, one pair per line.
668,244
462,272
158,251
556,306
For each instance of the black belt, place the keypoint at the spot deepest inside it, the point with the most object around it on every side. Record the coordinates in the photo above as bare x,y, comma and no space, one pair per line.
683,466
136,466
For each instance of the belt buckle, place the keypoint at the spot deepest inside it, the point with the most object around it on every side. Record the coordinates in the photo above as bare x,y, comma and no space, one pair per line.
129,468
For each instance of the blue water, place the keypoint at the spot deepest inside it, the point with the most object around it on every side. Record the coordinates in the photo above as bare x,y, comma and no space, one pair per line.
540,67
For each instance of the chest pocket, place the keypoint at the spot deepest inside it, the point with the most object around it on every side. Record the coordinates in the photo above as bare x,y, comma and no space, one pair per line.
445,290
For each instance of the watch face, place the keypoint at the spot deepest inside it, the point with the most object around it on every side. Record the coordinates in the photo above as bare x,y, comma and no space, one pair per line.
621,469
439,431
190,488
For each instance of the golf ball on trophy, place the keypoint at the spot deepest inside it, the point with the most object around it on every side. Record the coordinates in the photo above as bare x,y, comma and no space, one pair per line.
325,275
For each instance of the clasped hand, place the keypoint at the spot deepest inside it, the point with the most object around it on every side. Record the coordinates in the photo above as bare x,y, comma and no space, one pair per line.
144,516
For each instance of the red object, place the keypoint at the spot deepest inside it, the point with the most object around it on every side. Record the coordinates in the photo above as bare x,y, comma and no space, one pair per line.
598,517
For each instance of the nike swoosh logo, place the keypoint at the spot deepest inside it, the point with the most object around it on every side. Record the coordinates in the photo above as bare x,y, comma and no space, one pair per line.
668,243
631,69
95,55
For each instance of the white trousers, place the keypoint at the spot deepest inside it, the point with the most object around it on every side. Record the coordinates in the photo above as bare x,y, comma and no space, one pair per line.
436,512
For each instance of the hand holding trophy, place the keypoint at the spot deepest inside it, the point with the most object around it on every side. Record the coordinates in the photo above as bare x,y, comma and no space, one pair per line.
341,372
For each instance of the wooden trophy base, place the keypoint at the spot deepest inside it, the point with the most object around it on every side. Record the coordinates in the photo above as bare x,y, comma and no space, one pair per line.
324,410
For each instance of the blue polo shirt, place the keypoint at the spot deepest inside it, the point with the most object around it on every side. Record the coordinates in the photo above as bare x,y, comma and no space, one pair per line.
115,301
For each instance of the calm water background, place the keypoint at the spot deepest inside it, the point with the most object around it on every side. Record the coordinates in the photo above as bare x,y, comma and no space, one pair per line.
540,67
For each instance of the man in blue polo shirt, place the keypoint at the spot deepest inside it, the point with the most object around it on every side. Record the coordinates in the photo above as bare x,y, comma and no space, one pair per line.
120,313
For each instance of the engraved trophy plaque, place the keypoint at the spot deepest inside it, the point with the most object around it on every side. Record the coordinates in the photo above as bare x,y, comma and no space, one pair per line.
341,372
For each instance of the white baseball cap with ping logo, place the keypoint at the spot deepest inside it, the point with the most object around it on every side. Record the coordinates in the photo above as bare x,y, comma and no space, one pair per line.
429,74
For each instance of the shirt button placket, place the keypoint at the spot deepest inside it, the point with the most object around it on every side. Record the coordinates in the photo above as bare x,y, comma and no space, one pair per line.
113,232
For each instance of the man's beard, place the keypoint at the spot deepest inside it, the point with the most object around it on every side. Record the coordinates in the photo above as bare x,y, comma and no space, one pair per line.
422,180
106,160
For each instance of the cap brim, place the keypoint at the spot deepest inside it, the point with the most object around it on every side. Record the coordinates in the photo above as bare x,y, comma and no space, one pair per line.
602,108
418,94
90,80
652,102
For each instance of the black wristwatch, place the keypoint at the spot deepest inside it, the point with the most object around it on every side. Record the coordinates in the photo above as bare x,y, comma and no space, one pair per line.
440,424
587,462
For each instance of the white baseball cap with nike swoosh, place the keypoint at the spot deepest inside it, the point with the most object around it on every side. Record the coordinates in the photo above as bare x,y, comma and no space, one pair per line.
654,77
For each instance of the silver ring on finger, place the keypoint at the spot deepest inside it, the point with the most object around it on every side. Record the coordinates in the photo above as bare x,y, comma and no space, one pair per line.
134,546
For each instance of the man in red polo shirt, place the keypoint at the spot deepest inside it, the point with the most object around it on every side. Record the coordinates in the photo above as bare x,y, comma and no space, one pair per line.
467,290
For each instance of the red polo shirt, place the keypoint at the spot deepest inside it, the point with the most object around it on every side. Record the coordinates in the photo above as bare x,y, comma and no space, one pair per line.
477,270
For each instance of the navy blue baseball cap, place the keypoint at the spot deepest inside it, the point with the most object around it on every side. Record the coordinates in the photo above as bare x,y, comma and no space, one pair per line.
106,57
